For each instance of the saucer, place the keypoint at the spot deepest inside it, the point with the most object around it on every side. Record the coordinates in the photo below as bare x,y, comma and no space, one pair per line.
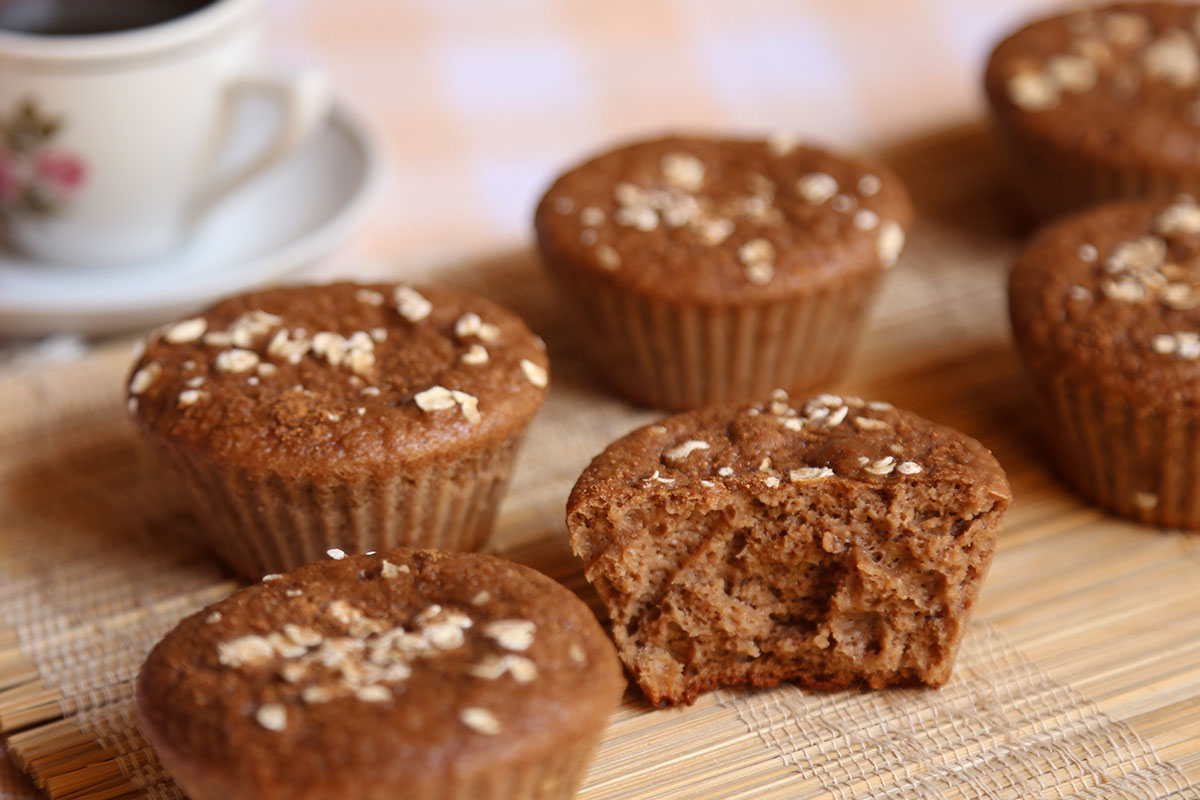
287,218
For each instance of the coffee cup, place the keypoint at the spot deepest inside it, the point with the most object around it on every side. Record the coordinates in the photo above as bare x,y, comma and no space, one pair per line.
113,117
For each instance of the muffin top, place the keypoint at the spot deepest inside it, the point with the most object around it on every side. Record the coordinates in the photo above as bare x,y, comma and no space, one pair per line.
1118,83
723,220
764,448
339,374
1112,295
380,668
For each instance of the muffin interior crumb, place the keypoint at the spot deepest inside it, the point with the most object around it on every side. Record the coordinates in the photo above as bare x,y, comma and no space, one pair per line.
832,542
832,585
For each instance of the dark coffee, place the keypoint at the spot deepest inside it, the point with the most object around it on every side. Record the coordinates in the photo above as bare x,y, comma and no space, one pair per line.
82,17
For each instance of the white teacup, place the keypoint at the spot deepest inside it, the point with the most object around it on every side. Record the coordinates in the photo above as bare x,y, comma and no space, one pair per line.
109,139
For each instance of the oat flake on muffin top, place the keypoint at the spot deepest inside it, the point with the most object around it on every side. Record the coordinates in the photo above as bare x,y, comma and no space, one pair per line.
339,373
402,673
1114,293
1119,83
720,219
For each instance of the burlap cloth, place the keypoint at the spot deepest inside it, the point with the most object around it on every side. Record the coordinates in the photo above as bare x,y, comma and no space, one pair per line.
1079,678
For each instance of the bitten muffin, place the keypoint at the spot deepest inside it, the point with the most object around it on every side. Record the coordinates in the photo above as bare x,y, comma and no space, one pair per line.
411,673
702,270
347,416
1105,310
1101,103
831,543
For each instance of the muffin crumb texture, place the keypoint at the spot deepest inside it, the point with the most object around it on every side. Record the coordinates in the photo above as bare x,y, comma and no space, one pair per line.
836,544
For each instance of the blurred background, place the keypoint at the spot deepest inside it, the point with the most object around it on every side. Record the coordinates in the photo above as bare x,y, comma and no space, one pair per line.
479,103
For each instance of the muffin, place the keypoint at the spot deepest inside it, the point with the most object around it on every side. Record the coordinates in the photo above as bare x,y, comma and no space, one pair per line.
413,673
1105,309
1101,104
340,416
703,270
832,543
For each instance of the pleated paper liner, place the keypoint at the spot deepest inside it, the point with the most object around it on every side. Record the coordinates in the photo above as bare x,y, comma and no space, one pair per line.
1141,462
673,355
271,524
1055,182
1079,676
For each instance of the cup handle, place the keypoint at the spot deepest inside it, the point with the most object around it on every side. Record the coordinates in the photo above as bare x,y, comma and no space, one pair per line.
305,98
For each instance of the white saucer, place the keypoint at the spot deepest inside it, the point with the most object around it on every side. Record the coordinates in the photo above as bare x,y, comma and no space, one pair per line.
286,219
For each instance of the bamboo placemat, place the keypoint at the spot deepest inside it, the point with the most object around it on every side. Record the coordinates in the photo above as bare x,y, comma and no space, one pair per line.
1080,676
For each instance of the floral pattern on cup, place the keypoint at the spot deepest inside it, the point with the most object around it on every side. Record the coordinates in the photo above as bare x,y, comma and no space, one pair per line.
36,177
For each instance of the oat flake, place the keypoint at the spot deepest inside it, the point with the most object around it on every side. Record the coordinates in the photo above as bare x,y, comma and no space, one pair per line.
536,373
809,474
189,397
236,360
369,296
686,449
411,304
480,720
144,378
511,634
272,716
891,243
476,354
187,331
817,187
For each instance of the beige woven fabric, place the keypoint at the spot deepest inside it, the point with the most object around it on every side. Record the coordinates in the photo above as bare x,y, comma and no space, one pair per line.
1079,678
1002,728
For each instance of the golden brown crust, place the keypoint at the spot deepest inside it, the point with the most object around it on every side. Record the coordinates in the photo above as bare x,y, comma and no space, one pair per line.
1100,104
1112,297
358,677
672,218
832,542
739,438
327,379
1115,84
